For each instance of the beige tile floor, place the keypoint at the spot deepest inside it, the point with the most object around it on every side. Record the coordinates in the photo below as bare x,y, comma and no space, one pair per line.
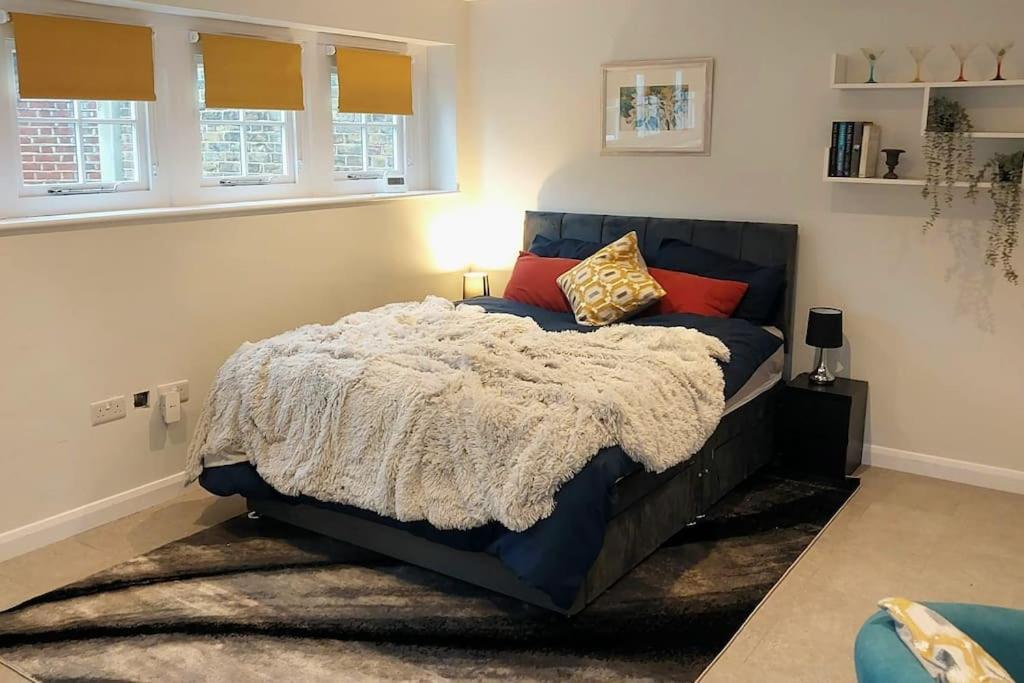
900,535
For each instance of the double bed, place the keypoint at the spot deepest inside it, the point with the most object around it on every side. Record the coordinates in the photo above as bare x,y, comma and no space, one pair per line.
613,513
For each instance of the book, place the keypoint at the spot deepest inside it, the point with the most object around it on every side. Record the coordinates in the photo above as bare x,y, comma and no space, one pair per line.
848,150
869,151
855,147
832,150
840,148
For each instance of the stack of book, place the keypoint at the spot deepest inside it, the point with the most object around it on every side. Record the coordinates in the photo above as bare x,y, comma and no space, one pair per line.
854,150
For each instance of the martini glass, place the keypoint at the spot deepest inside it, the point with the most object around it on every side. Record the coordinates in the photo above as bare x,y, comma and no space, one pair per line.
1000,50
919,53
872,54
962,51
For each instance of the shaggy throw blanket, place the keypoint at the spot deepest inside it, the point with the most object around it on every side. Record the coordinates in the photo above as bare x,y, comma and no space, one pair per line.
454,415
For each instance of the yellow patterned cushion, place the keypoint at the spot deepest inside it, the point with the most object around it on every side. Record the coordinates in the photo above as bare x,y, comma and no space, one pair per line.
946,652
611,285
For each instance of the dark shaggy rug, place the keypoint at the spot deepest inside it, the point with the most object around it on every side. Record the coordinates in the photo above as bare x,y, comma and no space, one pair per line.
258,601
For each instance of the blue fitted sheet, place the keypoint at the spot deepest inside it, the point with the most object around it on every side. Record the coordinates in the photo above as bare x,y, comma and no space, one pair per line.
554,554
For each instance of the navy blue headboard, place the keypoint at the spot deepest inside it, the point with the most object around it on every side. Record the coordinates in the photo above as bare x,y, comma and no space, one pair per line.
766,244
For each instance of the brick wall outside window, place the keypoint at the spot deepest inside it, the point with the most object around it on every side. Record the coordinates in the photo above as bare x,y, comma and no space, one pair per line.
49,152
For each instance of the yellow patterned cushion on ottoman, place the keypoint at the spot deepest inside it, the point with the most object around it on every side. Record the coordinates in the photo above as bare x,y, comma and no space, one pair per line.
611,285
947,653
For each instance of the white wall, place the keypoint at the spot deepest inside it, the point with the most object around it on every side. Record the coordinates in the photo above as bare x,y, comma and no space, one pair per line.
937,334
102,311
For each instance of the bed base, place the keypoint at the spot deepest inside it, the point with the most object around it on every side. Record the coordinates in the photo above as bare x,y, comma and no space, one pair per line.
743,443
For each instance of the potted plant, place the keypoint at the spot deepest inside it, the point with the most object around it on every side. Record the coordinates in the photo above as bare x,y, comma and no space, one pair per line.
948,152
1004,172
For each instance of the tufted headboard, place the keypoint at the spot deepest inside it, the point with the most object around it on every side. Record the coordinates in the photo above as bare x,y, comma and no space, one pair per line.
766,244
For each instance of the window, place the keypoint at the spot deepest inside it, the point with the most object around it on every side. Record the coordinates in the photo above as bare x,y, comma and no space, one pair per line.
81,146
245,146
365,145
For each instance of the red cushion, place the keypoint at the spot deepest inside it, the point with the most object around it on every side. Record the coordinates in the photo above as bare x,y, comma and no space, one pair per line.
688,293
533,282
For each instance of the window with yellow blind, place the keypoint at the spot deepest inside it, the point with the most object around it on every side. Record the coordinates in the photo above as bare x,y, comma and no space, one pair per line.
99,120
244,146
80,109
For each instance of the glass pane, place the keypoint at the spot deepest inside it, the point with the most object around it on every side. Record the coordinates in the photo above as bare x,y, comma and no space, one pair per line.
106,109
382,118
46,109
220,115
222,150
381,143
108,152
49,155
262,115
348,148
264,150
201,85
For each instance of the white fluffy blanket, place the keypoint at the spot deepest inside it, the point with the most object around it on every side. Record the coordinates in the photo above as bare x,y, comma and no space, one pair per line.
450,414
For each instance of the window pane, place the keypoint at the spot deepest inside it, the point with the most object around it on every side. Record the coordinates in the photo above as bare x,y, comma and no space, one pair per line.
348,148
263,115
264,150
49,155
220,115
222,150
381,143
106,109
108,152
382,118
46,109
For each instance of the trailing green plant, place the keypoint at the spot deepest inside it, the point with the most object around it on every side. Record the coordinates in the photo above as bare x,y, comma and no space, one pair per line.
1004,172
948,152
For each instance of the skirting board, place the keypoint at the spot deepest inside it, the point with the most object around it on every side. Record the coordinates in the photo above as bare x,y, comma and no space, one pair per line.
960,471
66,524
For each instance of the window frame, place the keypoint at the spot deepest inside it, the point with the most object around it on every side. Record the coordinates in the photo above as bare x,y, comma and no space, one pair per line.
20,199
142,144
290,141
342,183
170,142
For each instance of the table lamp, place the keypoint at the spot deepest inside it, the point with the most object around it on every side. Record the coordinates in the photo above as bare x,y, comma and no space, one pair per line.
824,331
475,284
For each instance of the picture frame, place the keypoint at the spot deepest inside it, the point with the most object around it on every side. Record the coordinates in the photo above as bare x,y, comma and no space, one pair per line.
660,106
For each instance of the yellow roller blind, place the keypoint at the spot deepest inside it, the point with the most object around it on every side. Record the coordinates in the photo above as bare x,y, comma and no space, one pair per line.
249,73
374,82
62,58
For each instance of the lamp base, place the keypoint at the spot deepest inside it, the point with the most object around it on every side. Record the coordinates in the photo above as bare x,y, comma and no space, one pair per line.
821,374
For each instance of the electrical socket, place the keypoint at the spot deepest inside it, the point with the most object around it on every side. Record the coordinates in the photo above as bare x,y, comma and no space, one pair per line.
108,410
181,386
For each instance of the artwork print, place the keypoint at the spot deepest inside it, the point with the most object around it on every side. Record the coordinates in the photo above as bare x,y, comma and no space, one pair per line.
654,108
657,107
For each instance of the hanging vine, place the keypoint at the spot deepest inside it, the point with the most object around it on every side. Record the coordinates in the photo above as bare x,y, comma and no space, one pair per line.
1004,171
948,153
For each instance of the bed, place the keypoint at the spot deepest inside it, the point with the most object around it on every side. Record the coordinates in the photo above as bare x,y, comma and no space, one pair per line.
612,514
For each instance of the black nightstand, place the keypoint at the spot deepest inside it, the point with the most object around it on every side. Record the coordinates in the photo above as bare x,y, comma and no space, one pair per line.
821,427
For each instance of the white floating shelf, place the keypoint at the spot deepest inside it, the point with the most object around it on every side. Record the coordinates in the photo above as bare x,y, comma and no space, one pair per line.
995,136
853,180
839,81
919,182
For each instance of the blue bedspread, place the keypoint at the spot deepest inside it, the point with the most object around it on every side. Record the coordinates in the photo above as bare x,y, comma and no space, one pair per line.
555,554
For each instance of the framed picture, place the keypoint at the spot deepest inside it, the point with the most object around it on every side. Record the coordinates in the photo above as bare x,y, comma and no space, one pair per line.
658,107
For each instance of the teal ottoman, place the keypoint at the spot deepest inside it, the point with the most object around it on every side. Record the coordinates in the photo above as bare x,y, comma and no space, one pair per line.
881,657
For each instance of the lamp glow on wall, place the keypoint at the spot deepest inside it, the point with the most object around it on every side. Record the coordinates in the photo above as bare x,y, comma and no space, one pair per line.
487,236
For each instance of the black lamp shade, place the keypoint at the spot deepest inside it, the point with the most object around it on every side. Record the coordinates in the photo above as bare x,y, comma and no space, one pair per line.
825,328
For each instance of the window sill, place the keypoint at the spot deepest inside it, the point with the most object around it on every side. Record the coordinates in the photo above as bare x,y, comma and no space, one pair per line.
57,222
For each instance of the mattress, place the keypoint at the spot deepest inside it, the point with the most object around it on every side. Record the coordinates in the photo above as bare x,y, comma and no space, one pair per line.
766,376
555,554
